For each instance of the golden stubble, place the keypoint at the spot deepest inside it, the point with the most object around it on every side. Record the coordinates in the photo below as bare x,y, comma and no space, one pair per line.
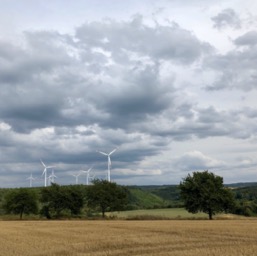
173,237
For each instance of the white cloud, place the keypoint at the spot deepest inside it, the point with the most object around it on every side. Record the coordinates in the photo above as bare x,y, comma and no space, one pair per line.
196,161
4,126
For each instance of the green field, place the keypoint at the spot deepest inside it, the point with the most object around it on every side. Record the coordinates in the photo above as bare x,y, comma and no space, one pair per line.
173,213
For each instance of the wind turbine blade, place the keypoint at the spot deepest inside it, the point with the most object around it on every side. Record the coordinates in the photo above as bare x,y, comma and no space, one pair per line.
42,163
113,151
103,153
44,171
48,167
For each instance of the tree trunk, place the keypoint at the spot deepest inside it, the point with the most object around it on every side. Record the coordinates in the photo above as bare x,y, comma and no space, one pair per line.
210,214
103,213
21,213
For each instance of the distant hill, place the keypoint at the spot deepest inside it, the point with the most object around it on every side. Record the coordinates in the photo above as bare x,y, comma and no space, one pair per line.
241,184
152,196
155,196
141,199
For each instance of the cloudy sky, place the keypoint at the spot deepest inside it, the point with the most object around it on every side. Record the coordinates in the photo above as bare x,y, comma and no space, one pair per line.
172,84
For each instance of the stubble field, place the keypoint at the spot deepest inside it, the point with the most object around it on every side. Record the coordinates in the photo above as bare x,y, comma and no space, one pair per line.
173,237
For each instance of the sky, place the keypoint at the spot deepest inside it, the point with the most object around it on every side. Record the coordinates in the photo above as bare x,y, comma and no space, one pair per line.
171,84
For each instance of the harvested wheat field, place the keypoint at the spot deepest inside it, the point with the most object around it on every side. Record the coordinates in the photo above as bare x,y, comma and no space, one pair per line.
174,237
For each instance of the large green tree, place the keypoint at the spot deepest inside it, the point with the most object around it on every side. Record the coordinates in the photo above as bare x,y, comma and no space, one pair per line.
205,192
107,196
57,199
20,201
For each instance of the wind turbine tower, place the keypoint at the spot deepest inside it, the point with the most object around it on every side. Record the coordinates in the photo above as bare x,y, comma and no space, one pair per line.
109,162
77,177
30,178
51,177
87,172
45,171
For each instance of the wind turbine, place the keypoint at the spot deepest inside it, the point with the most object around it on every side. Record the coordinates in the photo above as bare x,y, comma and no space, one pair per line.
51,177
30,178
45,171
109,162
77,177
87,172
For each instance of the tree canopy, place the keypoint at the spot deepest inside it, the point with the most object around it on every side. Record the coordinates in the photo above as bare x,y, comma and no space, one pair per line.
56,199
205,192
107,196
20,201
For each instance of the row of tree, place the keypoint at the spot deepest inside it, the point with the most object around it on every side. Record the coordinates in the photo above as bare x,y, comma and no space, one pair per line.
200,192
56,201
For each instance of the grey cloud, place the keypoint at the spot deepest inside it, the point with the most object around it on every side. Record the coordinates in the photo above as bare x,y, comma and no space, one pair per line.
9,52
41,55
30,94
35,88
210,115
74,131
59,81
227,123
141,95
29,106
26,118
227,18
235,69
250,112
249,38
204,123
160,42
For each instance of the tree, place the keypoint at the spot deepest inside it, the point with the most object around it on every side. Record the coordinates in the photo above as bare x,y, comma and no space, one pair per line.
107,196
20,201
74,199
205,192
56,199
